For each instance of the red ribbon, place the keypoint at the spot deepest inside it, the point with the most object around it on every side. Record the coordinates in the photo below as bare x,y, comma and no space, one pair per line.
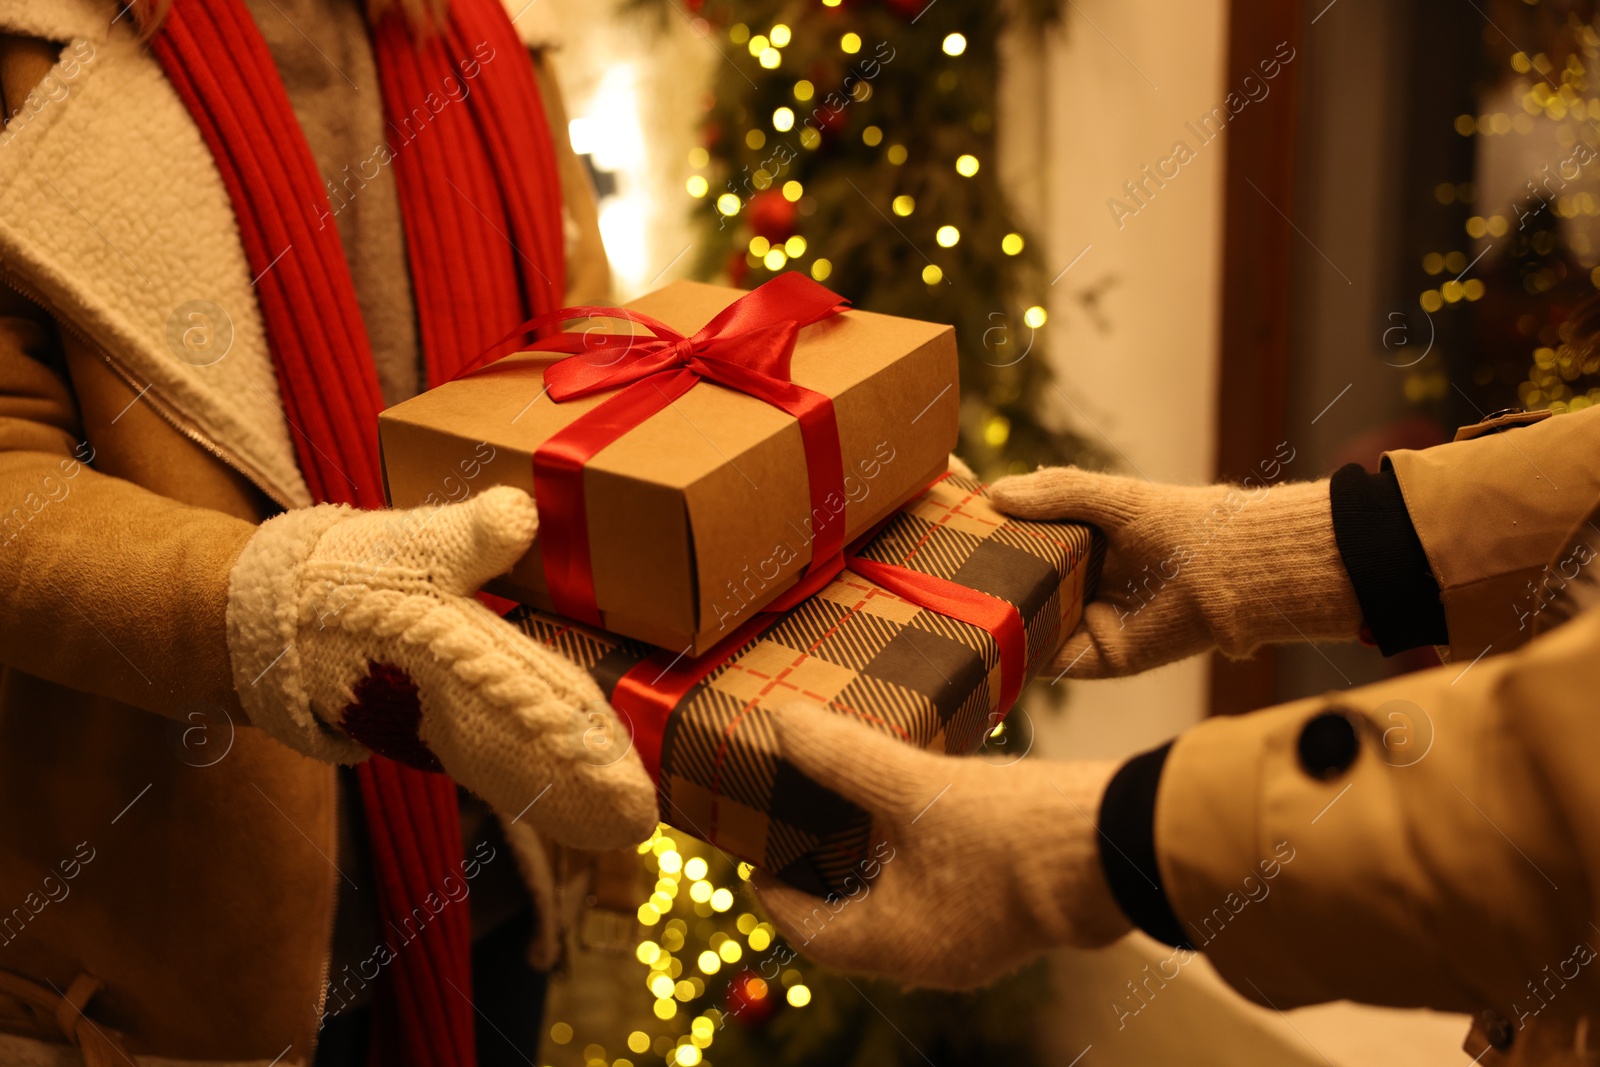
746,348
652,689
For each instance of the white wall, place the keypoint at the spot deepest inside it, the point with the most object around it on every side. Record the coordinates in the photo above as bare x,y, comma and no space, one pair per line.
1083,110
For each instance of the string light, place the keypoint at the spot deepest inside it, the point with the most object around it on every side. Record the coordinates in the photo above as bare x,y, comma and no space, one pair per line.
697,186
1011,244
896,154
795,247
780,35
932,274
850,44
871,136
947,236
955,44
738,33
759,44
903,205
783,120
966,165
774,260
1035,316
792,191
758,247
804,90
771,58
820,269
699,158
799,996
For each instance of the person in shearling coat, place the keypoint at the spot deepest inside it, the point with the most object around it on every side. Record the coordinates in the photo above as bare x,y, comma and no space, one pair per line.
1428,841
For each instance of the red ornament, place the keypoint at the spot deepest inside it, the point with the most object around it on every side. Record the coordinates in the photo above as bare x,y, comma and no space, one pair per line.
771,215
750,999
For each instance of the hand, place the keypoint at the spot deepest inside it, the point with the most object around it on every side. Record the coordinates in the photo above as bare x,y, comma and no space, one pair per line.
1191,569
356,631
978,868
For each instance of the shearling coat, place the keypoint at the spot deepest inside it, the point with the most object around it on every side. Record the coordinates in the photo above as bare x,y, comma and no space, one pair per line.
148,835
1433,840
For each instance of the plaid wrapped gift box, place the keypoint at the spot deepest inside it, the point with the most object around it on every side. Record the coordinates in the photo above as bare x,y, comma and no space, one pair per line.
937,682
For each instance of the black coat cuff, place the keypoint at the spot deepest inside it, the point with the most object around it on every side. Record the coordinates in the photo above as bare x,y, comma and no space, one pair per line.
1383,555
1128,847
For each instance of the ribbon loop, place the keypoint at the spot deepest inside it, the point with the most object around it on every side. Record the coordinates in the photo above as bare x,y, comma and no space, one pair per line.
747,347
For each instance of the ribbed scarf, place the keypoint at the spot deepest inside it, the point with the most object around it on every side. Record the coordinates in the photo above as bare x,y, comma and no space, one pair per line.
480,196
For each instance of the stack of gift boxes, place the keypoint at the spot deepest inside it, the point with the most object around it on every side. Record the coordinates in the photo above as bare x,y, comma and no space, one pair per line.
744,503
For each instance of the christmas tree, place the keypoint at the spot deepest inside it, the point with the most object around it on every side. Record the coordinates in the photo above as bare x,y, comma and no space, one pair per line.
853,140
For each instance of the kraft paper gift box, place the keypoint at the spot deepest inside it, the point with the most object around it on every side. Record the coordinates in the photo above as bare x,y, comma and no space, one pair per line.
702,513
703,726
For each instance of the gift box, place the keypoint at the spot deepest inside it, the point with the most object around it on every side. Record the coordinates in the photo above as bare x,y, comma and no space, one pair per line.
927,634
690,462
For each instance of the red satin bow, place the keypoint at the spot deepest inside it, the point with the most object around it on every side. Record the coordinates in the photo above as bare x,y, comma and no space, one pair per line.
747,348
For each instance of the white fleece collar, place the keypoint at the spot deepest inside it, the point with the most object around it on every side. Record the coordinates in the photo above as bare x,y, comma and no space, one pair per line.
116,216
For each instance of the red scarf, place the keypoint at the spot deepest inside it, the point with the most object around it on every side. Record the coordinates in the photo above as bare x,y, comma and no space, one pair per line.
480,196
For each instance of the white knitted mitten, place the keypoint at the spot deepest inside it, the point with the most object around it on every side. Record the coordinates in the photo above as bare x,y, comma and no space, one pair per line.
1191,569
975,870
354,630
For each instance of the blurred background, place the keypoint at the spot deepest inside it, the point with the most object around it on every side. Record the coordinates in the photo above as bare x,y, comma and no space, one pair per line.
1178,240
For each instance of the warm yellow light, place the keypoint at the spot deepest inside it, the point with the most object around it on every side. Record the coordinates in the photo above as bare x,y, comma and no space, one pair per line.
670,861
1431,301
1474,289
702,1027
738,33
561,1033
638,1041
773,261
1035,316
966,166
793,191
810,138
780,35
661,986
728,204
947,236
903,205
820,269
687,1056
1011,244
685,991
699,157
771,58
997,431
783,120
709,962
759,939
648,915
722,899
795,247
696,868
666,1009
955,44
850,43
831,3
804,90
758,247
663,844
896,154
759,44
745,868
697,186
648,952
755,139
932,274
871,136
799,996
730,951
1452,291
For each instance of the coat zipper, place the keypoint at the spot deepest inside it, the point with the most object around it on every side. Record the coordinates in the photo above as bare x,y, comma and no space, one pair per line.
169,414
158,403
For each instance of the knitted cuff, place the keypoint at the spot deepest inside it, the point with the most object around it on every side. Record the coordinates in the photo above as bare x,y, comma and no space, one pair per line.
1283,578
263,620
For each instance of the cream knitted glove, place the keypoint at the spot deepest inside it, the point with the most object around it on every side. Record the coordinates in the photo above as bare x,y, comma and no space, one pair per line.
1190,569
354,630
976,868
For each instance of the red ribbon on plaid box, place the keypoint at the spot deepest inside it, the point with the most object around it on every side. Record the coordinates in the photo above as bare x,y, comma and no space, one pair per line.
928,634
